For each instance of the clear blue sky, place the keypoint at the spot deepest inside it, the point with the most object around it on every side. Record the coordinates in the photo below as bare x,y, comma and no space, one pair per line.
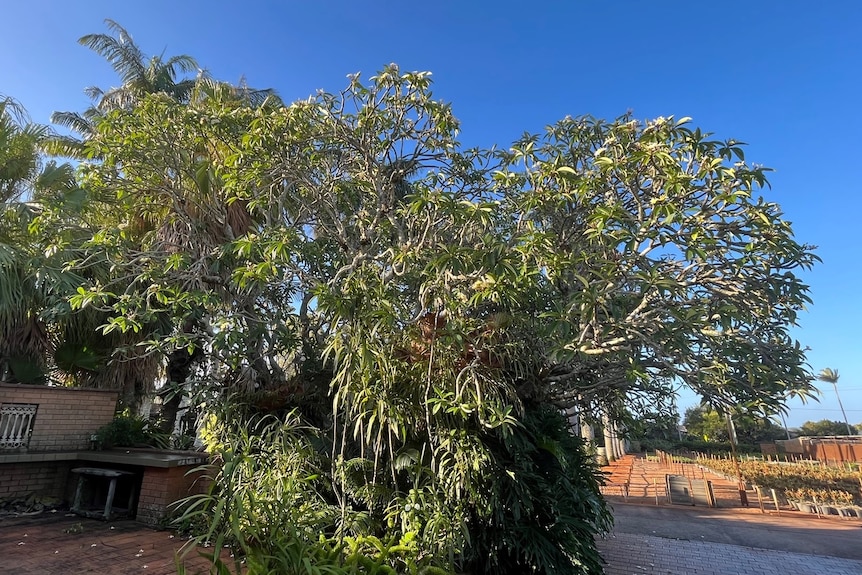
783,76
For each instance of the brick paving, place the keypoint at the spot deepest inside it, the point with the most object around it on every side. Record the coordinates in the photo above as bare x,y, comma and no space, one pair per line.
629,554
637,480
58,544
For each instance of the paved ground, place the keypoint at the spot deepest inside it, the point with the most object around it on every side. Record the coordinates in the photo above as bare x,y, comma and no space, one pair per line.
683,540
792,532
57,544
629,554
646,540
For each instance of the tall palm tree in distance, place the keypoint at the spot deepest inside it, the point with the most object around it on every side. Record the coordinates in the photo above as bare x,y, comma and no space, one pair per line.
831,376
139,75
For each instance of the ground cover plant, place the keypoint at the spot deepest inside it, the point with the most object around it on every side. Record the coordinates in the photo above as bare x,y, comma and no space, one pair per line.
792,477
382,328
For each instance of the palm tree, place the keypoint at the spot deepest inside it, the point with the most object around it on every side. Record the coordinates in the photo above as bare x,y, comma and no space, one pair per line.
27,285
139,76
20,159
831,376
23,340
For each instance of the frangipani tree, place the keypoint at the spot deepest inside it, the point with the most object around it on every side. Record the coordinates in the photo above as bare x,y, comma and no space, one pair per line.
431,309
659,259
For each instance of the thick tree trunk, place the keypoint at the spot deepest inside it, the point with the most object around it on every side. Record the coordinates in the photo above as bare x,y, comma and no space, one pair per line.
180,365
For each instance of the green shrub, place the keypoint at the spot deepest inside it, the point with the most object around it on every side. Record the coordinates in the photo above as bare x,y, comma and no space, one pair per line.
522,501
267,500
127,430
545,509
696,445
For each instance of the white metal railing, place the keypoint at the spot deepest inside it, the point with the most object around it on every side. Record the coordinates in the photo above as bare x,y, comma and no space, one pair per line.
16,423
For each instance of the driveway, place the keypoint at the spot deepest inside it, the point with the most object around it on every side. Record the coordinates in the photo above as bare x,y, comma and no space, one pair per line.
701,541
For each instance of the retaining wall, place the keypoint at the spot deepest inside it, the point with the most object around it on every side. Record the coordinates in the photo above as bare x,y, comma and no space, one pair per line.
66,417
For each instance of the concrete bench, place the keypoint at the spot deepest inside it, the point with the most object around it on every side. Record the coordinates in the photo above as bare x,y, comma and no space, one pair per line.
159,478
111,475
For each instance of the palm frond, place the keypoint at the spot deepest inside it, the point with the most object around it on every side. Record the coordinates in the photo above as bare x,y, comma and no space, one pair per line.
121,52
94,93
182,62
208,89
72,120
138,74
56,177
14,109
65,147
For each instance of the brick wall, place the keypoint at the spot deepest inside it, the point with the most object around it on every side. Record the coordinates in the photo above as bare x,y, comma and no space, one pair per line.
66,416
163,486
45,478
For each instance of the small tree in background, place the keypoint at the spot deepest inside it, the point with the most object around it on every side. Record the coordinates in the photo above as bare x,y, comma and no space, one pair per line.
709,425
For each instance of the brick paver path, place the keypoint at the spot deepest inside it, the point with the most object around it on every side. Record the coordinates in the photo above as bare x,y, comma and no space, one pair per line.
628,554
49,545
646,479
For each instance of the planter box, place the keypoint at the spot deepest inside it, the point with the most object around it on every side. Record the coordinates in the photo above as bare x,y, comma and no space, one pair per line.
806,507
851,512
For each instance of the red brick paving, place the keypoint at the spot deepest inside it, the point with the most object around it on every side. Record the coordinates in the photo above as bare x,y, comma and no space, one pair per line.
629,554
52,544
646,479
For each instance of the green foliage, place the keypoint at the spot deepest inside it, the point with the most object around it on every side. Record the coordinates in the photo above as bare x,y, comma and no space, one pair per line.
654,424
825,427
128,430
263,498
536,507
269,501
544,510
698,446
614,262
708,425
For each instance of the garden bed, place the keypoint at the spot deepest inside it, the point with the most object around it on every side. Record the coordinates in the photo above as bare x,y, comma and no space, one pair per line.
808,487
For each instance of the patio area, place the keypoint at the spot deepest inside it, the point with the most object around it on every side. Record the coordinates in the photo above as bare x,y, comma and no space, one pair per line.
59,544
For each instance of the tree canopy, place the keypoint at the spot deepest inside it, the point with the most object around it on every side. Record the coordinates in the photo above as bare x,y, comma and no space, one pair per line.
709,425
826,427
636,253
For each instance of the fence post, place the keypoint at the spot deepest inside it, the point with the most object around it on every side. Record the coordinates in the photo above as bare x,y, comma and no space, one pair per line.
759,498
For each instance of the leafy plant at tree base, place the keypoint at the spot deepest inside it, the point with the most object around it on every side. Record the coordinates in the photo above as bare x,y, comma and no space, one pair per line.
268,501
536,508
544,508
127,430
